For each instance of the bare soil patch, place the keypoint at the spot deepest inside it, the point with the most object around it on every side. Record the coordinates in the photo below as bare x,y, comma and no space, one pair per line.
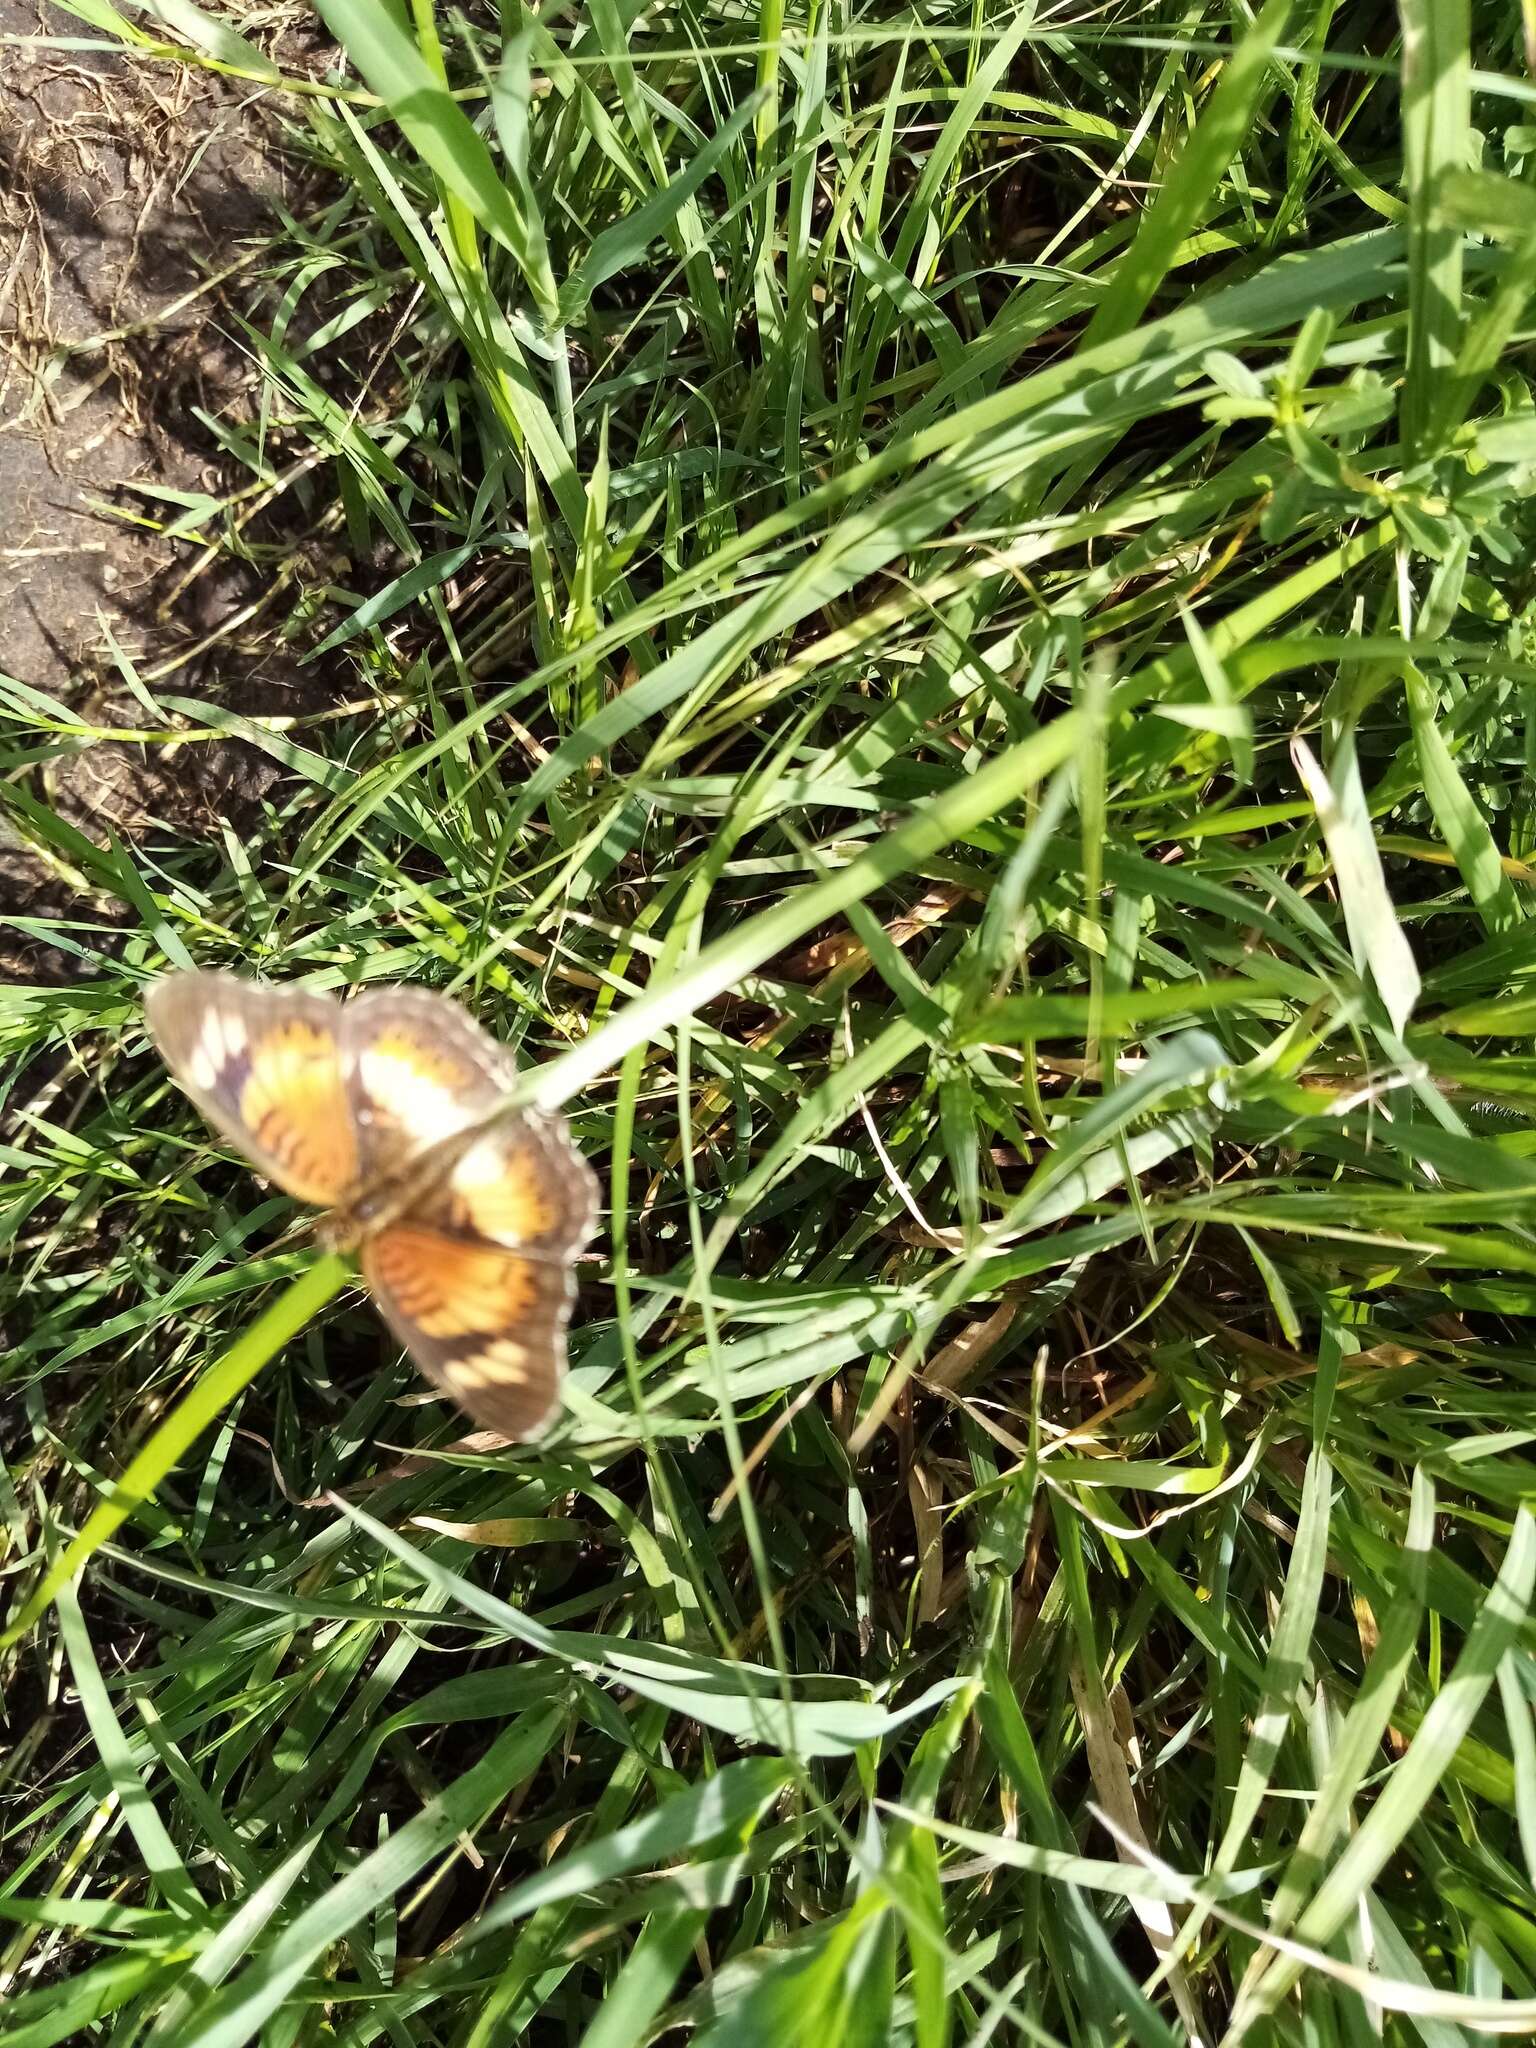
133,202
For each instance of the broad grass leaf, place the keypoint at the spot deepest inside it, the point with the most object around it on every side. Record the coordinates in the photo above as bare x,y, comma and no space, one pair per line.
625,243
724,1807
1437,144
1190,182
205,32
375,39
1375,935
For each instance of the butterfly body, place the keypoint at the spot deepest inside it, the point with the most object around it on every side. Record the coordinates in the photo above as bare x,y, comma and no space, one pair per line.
389,1112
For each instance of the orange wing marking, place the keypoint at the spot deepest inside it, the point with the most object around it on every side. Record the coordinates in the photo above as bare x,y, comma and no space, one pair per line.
448,1289
503,1193
295,1106
425,1093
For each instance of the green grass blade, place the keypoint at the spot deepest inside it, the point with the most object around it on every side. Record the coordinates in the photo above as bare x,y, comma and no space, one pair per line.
1191,181
1436,144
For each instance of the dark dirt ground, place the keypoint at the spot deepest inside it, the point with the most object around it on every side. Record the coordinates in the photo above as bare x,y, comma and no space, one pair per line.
133,196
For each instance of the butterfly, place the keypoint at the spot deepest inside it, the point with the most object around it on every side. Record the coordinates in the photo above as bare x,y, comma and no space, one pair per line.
383,1110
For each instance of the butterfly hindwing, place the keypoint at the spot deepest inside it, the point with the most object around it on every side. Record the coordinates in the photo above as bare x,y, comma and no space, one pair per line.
476,1281
266,1067
485,1324
522,1185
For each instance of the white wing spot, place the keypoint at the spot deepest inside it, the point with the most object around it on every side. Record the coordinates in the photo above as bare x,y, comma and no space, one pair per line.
202,1067
423,1107
484,1165
222,1039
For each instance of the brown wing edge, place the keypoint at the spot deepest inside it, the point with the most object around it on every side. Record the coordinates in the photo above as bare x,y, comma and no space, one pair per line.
580,1188
581,1173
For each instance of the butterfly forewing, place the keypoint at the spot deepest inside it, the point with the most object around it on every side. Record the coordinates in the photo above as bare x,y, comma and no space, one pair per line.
419,1071
266,1067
